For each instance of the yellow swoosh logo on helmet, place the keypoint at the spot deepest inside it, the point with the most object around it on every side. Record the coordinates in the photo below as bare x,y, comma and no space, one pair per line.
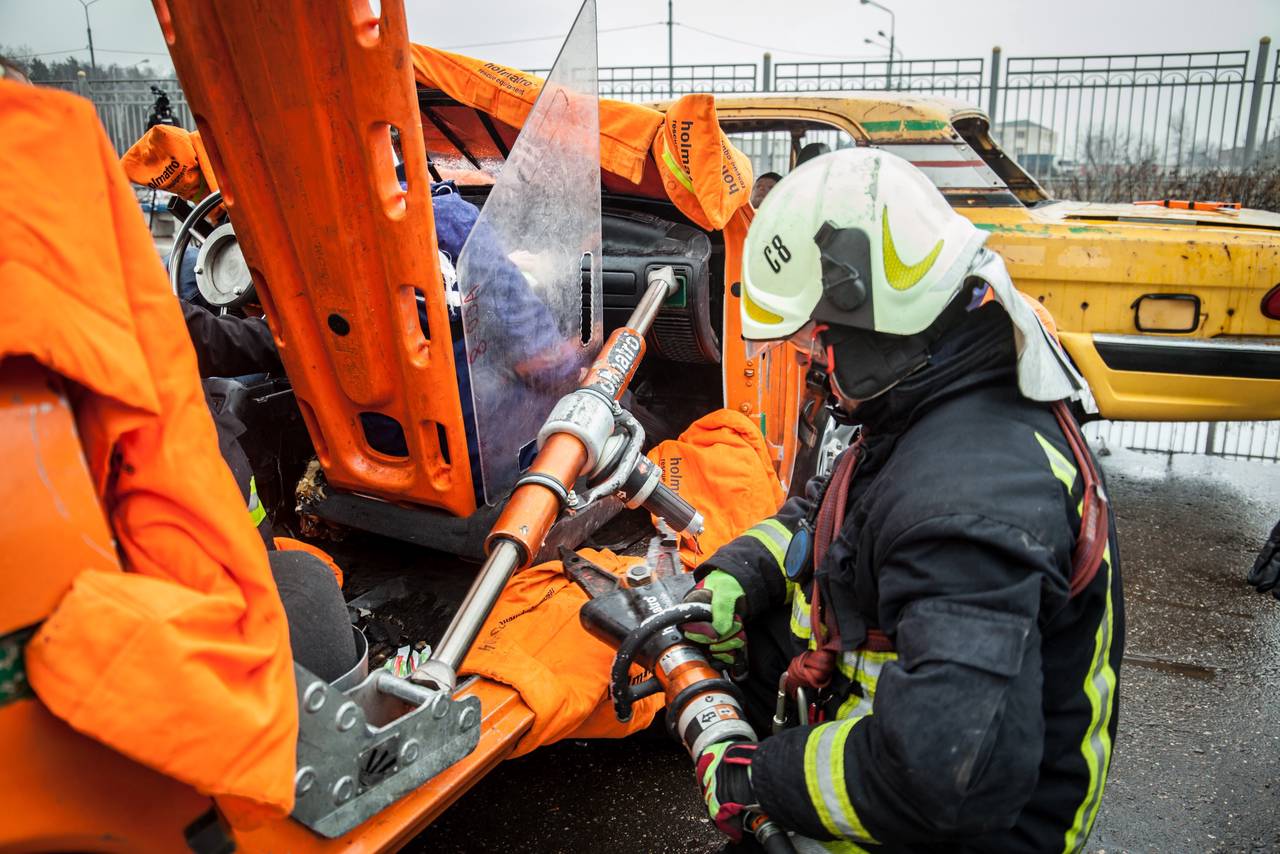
900,274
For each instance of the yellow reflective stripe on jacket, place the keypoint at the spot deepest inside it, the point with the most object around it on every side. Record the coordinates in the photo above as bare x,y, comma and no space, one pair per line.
677,171
800,625
825,779
1099,687
842,846
774,536
1063,469
863,667
256,511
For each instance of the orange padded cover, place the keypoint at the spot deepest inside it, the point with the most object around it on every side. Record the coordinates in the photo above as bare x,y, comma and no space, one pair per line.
507,94
703,174
173,159
721,466
181,662
706,177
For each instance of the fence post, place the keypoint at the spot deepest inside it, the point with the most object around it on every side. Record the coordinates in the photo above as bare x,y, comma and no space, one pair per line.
82,84
766,66
1255,99
995,85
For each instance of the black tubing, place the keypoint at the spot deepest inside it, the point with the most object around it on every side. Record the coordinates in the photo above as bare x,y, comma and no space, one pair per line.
773,839
620,674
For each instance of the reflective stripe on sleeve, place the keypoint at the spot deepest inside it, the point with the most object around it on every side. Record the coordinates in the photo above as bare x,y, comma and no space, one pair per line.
825,779
1099,687
863,667
256,511
800,625
774,536
1063,469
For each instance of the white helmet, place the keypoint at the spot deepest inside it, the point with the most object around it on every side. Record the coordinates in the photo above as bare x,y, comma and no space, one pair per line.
856,238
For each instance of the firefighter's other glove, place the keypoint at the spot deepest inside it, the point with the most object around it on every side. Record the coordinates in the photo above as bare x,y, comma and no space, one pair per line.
724,772
724,635
1265,575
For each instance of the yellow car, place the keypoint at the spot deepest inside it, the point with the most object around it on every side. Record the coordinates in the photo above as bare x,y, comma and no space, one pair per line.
1171,314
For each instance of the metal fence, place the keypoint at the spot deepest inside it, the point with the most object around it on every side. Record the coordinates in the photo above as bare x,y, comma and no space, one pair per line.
1089,126
659,82
1243,440
964,79
1100,116
1270,138
123,105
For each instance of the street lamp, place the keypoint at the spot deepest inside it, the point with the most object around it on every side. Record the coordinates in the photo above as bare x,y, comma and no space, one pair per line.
892,30
93,62
884,43
892,50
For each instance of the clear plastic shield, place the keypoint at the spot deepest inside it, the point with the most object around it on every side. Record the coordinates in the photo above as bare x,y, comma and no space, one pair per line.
531,324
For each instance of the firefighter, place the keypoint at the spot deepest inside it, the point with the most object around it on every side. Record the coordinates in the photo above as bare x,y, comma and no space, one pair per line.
943,612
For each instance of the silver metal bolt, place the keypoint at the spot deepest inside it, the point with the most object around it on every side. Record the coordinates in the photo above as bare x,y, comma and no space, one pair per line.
343,790
639,575
198,269
347,716
304,780
468,719
313,699
440,706
239,290
410,752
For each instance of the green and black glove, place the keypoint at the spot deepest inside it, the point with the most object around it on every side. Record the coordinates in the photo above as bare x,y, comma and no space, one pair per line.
724,635
724,772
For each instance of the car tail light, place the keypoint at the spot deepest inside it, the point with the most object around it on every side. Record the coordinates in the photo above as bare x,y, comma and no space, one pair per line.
1271,303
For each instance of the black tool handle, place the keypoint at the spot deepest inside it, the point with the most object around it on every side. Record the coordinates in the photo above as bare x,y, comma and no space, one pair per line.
664,503
661,501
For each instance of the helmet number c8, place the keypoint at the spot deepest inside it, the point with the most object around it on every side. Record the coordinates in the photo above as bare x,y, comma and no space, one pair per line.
777,248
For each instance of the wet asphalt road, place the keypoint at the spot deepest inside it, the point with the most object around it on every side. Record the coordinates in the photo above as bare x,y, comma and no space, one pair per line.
1197,763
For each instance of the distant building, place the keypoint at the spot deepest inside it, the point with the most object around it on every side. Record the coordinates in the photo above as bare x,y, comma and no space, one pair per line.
1032,145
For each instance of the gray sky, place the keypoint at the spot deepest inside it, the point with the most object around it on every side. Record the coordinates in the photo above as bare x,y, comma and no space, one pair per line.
125,31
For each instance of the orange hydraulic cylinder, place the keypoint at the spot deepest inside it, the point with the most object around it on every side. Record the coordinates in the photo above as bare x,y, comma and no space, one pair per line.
533,507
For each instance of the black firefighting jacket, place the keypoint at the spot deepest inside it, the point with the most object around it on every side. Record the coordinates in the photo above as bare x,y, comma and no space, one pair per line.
990,726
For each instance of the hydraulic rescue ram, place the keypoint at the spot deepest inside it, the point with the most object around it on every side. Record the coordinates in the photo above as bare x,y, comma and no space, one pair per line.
587,435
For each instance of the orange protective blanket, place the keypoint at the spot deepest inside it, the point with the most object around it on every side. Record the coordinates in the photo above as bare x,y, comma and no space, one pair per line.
173,159
507,94
706,177
181,662
721,466
533,640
